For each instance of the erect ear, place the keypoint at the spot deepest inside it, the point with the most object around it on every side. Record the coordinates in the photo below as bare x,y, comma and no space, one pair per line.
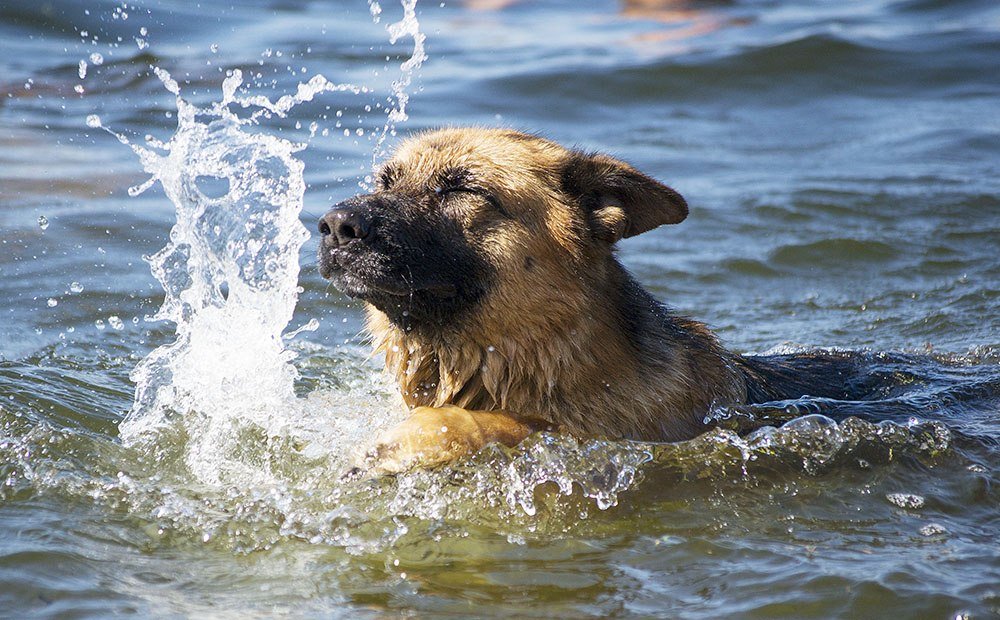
619,200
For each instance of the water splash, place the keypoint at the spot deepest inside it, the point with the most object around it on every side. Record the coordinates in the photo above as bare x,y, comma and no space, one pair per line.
408,26
230,276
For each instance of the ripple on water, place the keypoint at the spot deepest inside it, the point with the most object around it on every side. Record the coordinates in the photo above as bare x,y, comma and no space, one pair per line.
823,479
832,253
298,492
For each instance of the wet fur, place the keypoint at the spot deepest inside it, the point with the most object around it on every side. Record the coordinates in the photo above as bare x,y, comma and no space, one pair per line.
558,331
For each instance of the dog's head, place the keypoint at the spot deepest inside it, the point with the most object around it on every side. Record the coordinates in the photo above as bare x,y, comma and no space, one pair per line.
471,221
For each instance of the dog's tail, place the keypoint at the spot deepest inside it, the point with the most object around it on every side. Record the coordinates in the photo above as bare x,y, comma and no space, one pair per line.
841,375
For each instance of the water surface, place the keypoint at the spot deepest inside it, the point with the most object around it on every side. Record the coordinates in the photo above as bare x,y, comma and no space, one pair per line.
841,162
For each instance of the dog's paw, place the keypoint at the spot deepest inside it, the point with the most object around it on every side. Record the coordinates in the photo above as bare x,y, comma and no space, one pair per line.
430,436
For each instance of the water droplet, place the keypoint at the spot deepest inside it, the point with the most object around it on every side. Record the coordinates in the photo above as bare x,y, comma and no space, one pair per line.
99,324
214,47
115,322
311,326
78,88
82,70
93,120
43,222
96,59
143,31
76,287
52,302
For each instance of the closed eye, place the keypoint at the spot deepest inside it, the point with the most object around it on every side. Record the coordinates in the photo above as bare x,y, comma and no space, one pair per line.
457,189
441,192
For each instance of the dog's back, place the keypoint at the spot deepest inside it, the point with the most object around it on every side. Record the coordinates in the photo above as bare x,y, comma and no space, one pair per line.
840,375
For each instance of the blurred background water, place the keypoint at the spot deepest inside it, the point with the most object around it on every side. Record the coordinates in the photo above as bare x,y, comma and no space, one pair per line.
841,161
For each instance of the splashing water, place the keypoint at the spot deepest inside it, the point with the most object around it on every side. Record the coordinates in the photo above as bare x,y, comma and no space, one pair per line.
230,276
408,26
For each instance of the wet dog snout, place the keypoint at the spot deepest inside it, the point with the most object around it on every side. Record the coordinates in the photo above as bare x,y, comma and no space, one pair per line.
342,225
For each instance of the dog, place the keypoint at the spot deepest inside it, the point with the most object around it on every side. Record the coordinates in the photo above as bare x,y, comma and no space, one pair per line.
485,258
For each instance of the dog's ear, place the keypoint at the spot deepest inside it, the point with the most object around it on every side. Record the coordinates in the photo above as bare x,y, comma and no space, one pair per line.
619,200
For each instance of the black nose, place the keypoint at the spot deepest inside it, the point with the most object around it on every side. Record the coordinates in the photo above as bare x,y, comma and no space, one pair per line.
344,225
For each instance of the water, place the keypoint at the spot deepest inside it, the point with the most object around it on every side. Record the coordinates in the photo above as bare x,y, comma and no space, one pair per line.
841,164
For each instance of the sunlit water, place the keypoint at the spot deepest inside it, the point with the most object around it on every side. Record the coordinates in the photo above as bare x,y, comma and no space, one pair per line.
841,164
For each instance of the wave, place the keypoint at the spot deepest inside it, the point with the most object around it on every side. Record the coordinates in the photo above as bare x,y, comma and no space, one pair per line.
776,73
287,483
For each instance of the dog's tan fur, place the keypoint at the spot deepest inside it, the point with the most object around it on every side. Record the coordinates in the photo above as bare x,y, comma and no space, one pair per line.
546,344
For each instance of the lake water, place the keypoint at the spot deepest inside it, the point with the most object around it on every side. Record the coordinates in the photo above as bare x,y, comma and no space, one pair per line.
842,163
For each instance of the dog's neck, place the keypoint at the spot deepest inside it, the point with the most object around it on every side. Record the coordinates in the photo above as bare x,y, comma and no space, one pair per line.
572,369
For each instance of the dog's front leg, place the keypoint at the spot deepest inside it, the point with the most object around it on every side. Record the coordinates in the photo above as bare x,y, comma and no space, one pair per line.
435,435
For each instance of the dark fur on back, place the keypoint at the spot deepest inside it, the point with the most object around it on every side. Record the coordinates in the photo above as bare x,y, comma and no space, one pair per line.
822,374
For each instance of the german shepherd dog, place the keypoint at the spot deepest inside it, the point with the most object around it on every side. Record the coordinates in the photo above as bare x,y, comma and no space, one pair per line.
486,261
